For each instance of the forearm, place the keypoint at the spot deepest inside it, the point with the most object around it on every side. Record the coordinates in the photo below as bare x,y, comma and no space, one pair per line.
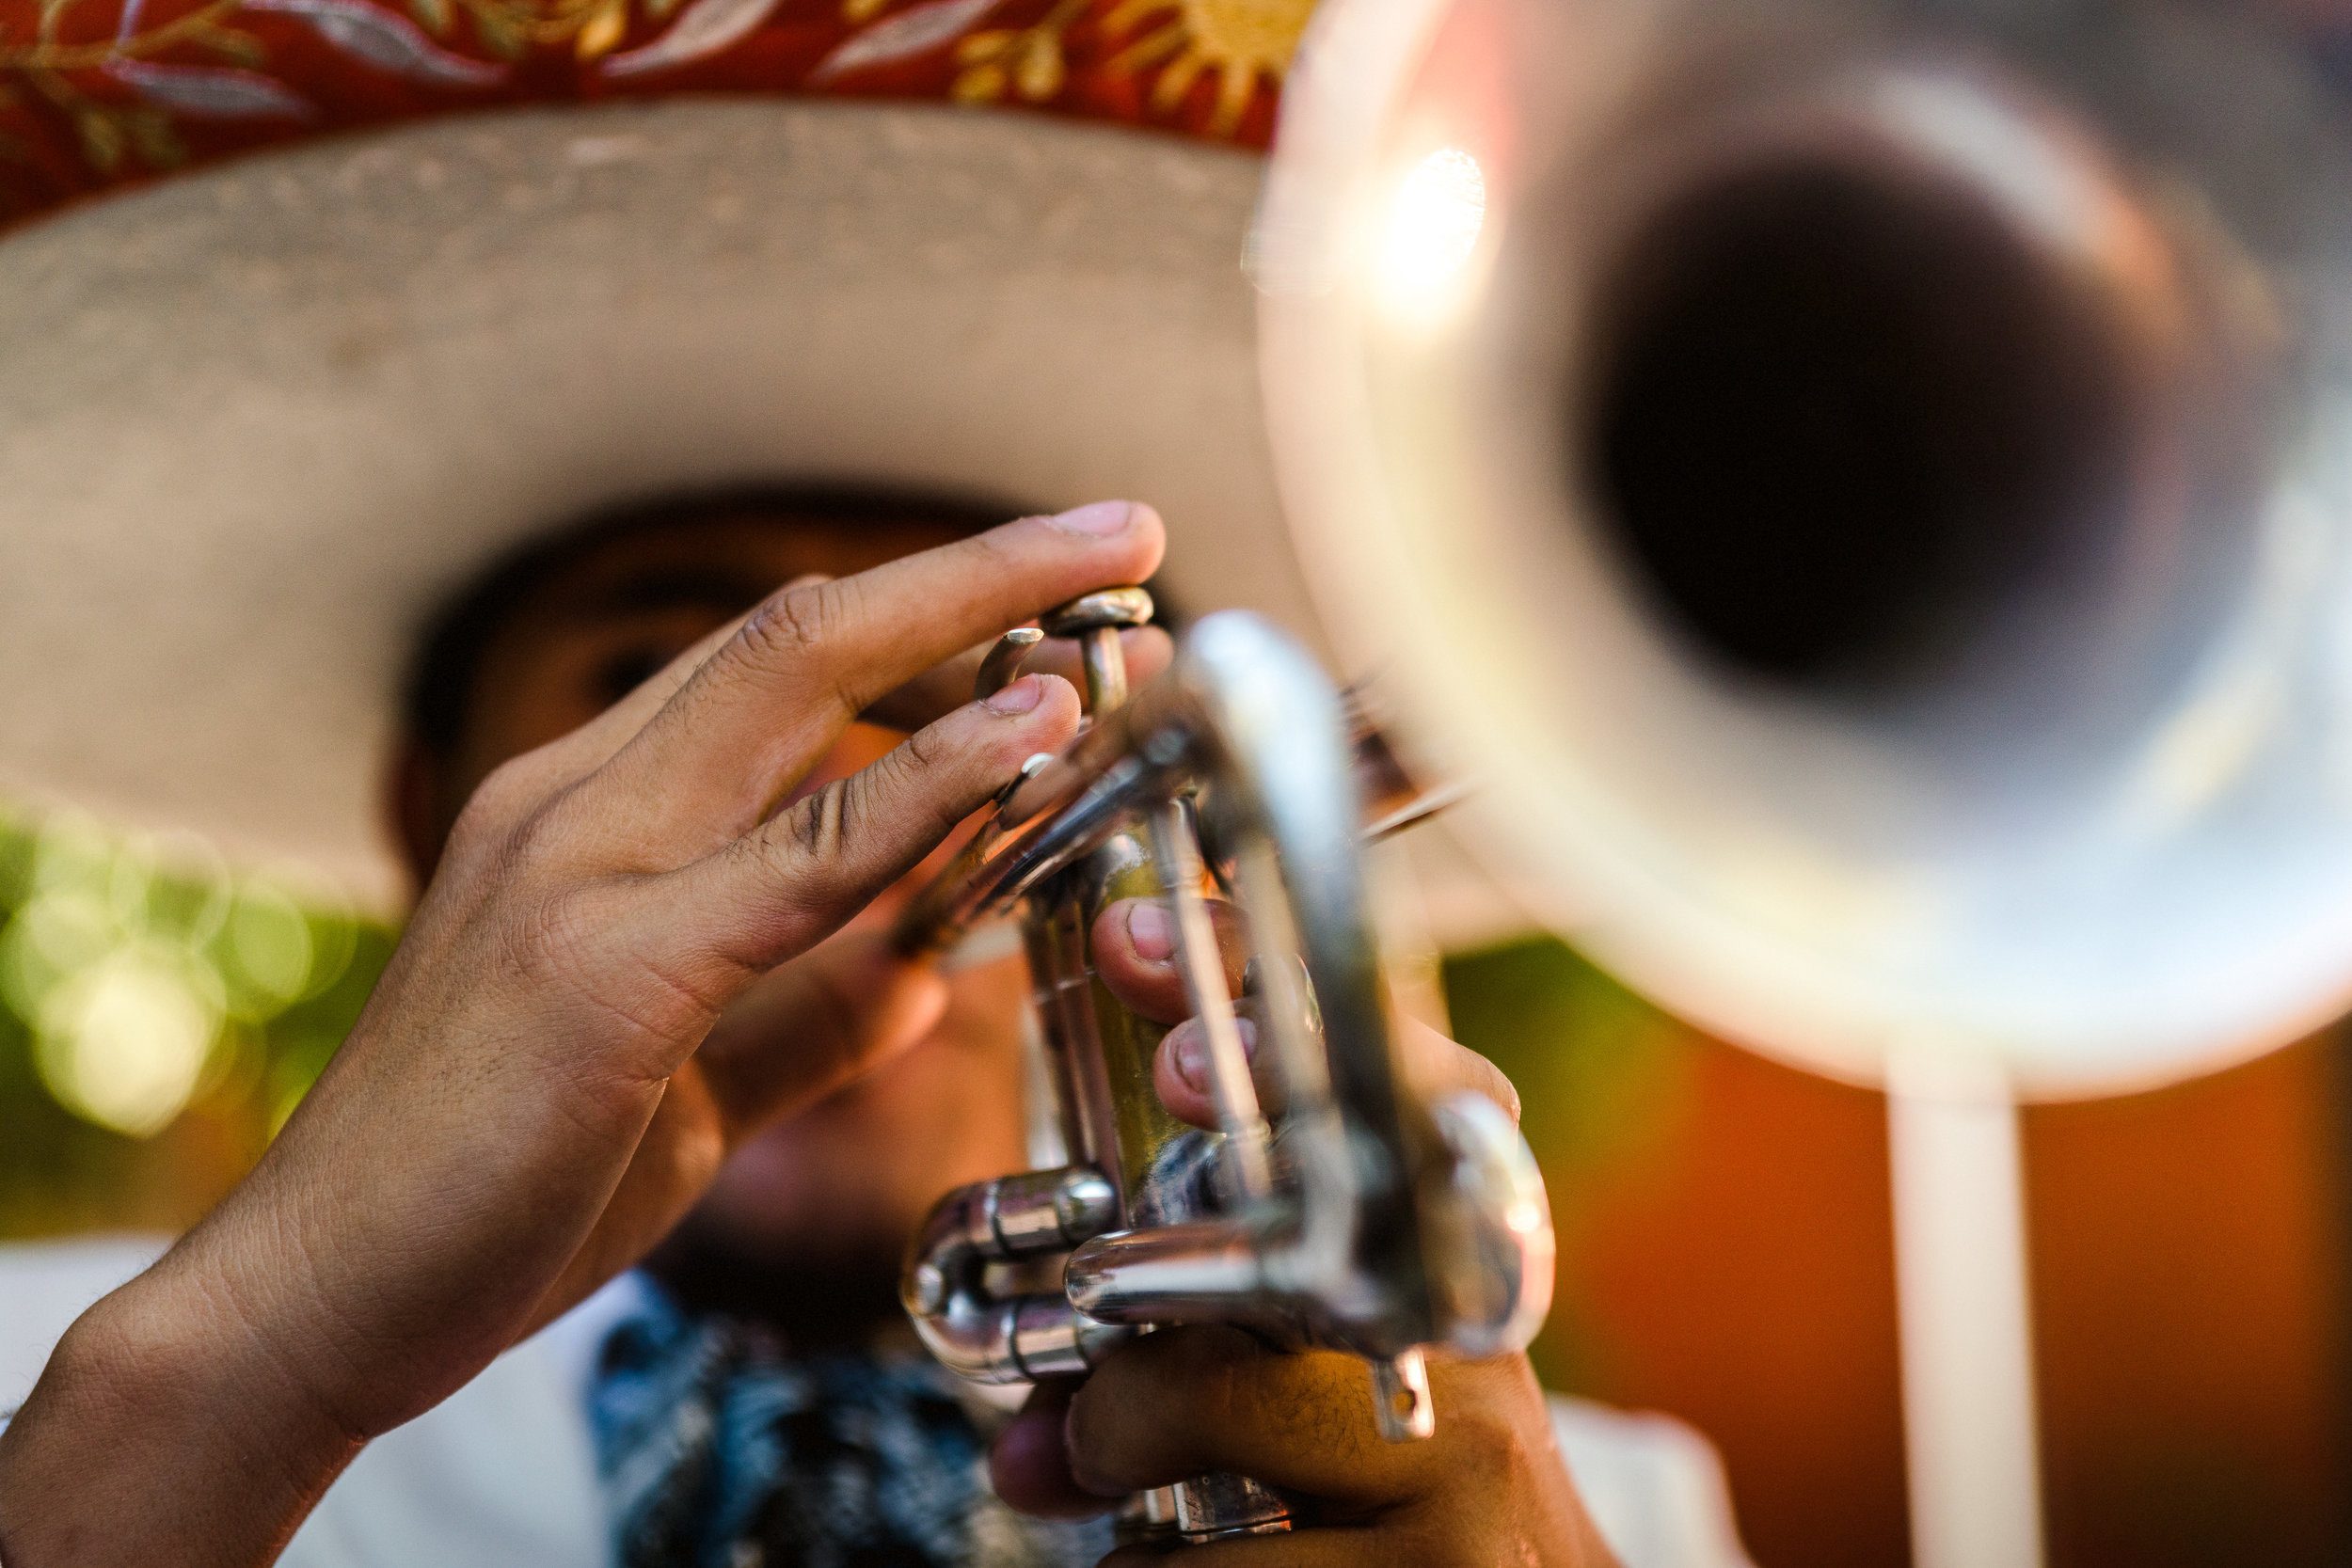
163,1431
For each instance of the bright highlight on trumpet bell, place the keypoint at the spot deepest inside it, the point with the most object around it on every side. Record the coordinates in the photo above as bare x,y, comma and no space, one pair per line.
1434,223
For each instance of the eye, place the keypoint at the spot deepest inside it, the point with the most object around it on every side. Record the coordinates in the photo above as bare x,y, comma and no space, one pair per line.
623,672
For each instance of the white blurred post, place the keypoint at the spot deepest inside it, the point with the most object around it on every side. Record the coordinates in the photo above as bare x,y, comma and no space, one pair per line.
1967,1337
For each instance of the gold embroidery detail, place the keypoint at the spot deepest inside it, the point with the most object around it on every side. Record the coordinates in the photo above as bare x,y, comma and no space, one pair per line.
601,30
202,25
1028,62
1242,40
510,29
108,133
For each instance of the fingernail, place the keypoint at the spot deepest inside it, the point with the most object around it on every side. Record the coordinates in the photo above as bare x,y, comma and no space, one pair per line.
1097,518
1190,1054
1151,929
1189,1049
1019,697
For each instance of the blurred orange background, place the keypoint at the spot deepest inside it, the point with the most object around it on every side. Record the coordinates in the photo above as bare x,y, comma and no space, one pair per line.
1727,1255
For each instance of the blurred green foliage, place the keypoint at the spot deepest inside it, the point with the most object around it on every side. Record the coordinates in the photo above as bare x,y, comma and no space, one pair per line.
159,1017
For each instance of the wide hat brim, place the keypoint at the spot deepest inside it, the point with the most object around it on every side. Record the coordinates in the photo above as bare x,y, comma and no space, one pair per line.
256,422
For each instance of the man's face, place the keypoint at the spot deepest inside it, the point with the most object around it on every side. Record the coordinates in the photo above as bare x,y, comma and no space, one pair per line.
843,1184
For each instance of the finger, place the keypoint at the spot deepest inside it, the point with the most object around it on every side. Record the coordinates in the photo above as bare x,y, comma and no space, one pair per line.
701,934
1180,1071
760,710
1173,1404
1135,954
522,784
830,1016
1488,1487
674,1161
1326,1545
1028,1464
1435,1067
593,743
945,687
811,1025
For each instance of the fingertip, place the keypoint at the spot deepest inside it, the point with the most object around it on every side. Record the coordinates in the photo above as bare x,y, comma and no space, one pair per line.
1151,929
1028,1464
1440,1065
1132,529
1061,695
1052,723
1016,696
1150,538
1145,517
1183,1087
1041,709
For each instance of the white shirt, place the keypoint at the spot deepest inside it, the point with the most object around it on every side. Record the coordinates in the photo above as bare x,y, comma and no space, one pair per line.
503,1474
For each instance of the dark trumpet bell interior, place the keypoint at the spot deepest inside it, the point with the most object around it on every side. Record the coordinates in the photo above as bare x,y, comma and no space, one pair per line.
1843,410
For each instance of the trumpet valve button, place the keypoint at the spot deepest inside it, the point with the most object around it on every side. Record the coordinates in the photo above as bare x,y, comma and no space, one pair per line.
1105,607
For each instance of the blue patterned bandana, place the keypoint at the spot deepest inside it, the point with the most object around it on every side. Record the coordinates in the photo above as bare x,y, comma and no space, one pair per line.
719,1450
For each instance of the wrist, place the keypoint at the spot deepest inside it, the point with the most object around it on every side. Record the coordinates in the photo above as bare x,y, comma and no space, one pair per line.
165,1428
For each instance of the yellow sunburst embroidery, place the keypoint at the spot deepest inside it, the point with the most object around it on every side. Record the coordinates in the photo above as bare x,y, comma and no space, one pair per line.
1242,40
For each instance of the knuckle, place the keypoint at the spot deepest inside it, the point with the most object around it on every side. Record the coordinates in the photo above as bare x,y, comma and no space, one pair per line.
818,829
556,945
927,772
532,840
798,622
1488,1443
547,935
918,753
506,796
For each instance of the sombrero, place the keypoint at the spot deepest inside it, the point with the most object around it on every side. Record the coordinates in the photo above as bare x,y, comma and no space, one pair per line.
310,306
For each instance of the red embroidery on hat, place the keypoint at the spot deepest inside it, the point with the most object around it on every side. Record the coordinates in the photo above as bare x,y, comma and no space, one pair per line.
96,94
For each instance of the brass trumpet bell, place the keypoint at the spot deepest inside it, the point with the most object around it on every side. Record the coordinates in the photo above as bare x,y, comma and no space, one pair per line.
1866,486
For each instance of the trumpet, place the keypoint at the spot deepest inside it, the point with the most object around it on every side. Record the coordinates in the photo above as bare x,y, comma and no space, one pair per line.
1862,485
1356,1216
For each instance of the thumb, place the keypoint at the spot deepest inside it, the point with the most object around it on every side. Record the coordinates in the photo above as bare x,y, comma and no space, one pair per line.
813,1024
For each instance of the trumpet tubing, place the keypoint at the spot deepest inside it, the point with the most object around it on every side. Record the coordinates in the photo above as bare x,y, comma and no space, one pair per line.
1354,1216
1863,484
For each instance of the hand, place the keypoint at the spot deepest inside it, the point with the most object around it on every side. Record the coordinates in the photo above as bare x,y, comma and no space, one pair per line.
1490,1488
522,1109
849,1000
